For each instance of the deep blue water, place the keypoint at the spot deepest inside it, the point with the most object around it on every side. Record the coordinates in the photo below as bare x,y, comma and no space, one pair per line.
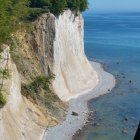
114,40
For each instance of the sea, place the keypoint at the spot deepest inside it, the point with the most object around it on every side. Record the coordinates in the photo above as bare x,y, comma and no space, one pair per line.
113,39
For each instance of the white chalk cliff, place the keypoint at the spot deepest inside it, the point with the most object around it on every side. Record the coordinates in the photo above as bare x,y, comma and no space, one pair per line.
58,43
74,74
19,118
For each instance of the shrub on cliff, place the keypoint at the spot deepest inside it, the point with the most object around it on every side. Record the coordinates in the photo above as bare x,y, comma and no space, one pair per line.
80,5
55,6
2,100
39,83
4,74
11,13
39,3
83,5
58,6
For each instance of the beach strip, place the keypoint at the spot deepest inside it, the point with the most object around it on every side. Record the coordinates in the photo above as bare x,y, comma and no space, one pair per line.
78,111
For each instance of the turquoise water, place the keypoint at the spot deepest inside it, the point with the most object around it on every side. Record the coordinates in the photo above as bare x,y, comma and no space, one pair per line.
114,40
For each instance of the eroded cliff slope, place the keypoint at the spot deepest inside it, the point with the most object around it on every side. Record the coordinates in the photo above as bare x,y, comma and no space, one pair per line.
20,119
53,45
74,74
58,43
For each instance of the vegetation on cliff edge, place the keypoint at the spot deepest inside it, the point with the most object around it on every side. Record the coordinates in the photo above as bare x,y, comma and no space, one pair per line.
14,12
58,6
4,74
13,15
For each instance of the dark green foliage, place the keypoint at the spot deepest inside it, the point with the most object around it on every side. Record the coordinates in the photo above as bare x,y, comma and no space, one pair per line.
79,5
11,13
40,89
2,100
83,5
58,6
73,4
39,3
34,13
39,83
4,73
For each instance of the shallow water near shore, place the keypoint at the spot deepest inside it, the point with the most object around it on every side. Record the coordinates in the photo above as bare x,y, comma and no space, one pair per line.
114,40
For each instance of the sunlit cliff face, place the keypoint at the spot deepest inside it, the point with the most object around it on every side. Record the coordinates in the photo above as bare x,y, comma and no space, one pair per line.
58,45
73,72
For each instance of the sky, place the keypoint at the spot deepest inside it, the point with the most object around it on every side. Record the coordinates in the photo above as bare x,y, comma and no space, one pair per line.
114,5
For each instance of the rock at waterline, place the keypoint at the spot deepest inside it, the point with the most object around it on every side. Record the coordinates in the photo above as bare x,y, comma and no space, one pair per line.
124,131
74,113
126,119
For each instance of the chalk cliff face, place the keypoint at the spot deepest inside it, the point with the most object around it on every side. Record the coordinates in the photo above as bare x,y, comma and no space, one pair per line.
60,46
19,118
54,46
74,74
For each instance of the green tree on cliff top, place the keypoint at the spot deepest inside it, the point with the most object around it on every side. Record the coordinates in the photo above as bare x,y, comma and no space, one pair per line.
11,13
58,6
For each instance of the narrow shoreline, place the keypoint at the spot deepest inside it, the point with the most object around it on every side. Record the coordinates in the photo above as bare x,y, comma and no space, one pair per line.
72,124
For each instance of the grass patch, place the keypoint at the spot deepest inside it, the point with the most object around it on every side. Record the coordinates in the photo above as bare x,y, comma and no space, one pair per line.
4,74
40,92
39,89
34,13
2,100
